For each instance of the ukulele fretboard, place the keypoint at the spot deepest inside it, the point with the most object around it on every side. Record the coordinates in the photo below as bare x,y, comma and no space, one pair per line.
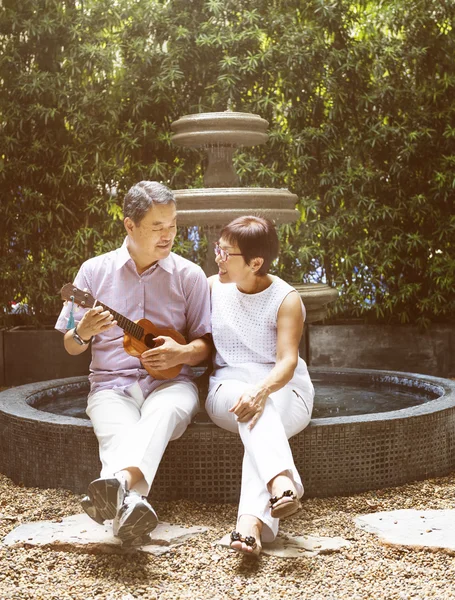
124,323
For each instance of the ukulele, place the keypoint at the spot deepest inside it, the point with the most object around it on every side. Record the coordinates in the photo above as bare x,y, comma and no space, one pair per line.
139,335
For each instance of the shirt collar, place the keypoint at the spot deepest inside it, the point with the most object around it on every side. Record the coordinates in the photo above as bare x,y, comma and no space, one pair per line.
123,256
167,264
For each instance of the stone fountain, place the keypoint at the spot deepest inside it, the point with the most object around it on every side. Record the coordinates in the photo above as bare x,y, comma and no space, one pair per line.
220,134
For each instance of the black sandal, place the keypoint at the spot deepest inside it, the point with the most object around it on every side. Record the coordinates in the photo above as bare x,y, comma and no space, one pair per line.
287,508
249,540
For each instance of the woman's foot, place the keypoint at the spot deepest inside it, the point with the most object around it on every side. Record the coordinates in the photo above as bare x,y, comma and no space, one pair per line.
247,537
284,501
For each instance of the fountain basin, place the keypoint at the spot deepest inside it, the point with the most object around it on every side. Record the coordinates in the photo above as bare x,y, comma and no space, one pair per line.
316,297
335,455
220,128
229,203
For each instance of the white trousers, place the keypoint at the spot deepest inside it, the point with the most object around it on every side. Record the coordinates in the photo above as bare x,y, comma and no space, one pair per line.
267,450
133,431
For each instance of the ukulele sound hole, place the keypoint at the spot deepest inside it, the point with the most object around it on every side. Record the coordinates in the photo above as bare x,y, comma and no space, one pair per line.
149,340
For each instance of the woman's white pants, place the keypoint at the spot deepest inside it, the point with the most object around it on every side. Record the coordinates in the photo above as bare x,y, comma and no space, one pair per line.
267,450
133,430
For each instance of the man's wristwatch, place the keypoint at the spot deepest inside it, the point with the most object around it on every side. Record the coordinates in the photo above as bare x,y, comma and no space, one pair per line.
77,338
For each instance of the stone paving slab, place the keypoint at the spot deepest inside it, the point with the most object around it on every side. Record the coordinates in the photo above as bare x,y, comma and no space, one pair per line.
79,532
287,546
419,529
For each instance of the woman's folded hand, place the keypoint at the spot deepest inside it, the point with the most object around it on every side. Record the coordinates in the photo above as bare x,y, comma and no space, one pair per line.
250,405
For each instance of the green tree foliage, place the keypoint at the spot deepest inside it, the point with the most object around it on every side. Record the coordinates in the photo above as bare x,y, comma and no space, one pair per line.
361,104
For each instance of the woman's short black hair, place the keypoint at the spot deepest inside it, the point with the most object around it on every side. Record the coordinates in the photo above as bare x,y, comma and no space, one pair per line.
255,237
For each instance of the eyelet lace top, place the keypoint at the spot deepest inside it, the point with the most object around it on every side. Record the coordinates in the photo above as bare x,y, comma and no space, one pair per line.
244,329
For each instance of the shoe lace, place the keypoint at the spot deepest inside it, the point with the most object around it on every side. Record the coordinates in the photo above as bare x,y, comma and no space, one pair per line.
131,497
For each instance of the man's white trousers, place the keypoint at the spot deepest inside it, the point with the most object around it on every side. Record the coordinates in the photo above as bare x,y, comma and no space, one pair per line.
133,430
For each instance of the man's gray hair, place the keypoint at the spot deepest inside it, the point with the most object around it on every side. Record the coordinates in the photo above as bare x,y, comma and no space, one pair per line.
142,196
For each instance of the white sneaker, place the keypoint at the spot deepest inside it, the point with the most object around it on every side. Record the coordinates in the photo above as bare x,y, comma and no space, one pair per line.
101,501
135,517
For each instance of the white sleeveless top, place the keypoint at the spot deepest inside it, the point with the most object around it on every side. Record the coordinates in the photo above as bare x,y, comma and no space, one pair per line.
244,329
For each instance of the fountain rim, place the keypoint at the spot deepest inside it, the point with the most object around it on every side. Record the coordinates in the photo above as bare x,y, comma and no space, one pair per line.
14,401
239,191
218,129
227,115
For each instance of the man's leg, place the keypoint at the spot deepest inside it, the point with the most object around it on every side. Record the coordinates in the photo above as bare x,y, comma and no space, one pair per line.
111,413
165,415
133,452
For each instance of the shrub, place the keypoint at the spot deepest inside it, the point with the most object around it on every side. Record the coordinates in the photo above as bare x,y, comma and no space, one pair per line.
360,100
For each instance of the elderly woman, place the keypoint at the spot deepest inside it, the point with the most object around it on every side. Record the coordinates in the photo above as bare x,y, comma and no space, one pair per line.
260,388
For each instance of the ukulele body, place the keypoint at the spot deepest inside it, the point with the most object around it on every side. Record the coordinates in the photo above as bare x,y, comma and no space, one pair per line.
136,347
132,344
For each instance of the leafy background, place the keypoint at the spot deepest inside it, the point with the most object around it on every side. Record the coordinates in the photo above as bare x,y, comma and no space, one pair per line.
361,104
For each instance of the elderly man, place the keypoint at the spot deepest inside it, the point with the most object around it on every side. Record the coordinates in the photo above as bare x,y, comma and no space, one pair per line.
135,415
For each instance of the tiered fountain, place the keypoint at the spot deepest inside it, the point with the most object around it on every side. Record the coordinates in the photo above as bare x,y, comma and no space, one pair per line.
220,134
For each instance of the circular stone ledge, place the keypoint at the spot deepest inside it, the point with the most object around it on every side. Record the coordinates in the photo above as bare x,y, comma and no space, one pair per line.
335,456
219,218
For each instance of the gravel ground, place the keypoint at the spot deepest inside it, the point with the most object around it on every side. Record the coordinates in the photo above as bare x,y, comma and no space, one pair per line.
198,570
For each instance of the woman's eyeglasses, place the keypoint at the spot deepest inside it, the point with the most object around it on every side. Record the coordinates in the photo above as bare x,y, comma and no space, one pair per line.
224,254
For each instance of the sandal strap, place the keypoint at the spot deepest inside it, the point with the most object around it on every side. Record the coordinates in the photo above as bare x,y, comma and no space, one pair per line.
249,540
285,494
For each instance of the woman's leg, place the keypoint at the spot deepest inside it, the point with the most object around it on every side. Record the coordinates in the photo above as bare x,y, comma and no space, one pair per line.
267,451
271,456
248,525
294,407
220,399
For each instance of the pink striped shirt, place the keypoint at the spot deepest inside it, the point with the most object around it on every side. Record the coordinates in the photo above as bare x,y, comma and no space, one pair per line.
172,293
